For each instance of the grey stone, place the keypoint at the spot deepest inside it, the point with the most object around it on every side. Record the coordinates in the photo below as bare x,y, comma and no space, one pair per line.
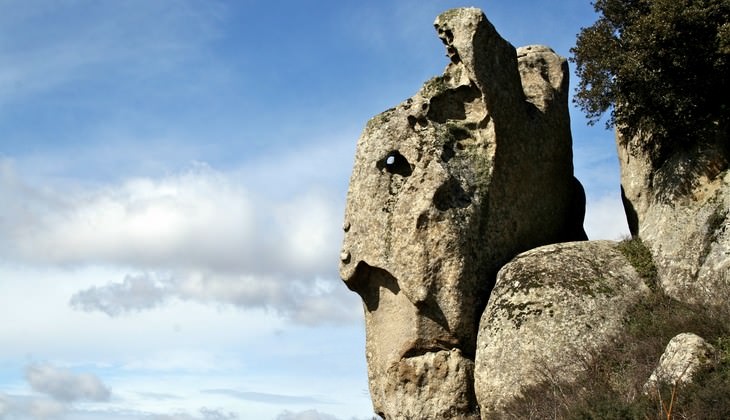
446,188
685,355
551,309
681,212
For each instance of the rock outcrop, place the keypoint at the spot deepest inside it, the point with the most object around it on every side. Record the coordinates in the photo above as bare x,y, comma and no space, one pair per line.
685,355
551,309
680,208
446,188
464,239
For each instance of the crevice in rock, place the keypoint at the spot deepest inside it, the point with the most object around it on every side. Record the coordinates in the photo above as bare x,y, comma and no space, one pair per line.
632,218
450,105
421,347
447,37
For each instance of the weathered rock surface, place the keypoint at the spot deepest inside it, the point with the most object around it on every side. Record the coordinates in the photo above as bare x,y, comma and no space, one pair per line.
446,188
685,355
681,212
551,309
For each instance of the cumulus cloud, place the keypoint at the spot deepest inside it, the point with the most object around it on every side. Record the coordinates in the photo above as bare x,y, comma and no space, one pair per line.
199,218
64,385
194,218
198,235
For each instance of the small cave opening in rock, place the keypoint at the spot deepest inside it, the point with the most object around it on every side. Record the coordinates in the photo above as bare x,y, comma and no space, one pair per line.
395,163
451,195
451,104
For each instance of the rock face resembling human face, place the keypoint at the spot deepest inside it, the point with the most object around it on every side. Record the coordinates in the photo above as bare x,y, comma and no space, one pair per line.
446,188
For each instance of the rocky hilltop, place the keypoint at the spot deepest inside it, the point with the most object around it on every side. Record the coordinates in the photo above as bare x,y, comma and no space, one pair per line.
464,238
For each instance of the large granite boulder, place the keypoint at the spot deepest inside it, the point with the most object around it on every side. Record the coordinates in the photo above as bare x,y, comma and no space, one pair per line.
446,188
680,208
551,309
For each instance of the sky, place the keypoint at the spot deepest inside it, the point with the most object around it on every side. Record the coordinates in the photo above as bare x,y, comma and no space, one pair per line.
172,184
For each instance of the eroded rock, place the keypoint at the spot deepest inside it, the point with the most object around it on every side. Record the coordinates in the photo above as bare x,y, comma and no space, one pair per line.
681,210
685,355
551,309
446,188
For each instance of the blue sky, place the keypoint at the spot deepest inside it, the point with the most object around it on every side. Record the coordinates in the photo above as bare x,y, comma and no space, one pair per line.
172,180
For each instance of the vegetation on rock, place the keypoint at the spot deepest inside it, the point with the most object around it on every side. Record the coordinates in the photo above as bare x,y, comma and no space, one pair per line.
640,258
612,386
660,67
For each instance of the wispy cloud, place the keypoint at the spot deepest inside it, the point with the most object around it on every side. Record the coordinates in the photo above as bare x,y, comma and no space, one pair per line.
18,407
158,396
304,415
135,293
205,414
84,40
303,302
276,399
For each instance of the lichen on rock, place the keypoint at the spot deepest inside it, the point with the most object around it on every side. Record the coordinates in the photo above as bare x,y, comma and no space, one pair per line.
446,188
681,211
551,308
685,355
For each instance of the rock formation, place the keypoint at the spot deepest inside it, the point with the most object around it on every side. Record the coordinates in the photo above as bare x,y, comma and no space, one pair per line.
545,317
680,208
446,188
685,355
458,226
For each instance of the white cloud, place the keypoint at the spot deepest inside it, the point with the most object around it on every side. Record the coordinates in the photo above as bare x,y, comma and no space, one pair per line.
22,407
199,219
64,385
305,415
267,398
4,405
308,303
43,408
194,218
205,414
135,293
605,218
19,407
197,235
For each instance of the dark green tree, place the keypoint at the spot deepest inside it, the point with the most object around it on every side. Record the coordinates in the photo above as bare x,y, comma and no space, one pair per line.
660,67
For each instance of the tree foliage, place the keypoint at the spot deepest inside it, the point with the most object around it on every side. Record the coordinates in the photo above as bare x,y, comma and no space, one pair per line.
660,67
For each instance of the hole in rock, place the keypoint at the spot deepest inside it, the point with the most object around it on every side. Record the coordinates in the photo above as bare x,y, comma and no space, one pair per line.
395,163
412,121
